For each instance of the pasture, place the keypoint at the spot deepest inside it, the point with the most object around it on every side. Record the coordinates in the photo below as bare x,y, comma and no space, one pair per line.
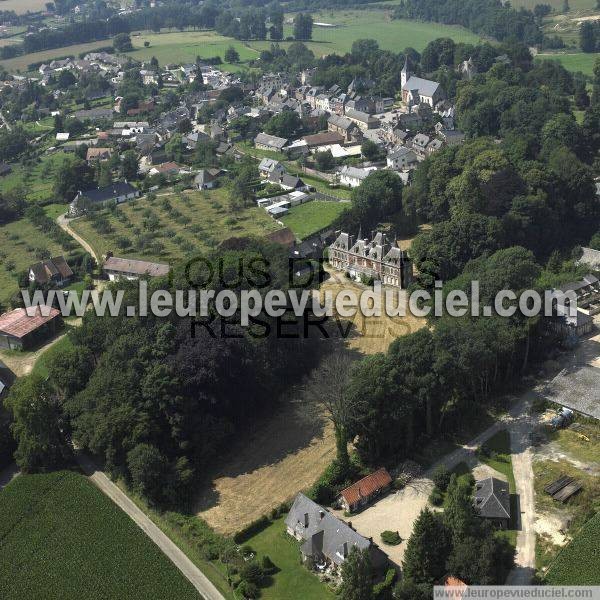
62,538
309,218
171,227
21,7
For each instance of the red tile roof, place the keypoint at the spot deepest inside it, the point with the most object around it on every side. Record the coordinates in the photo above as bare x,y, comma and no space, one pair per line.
366,486
454,581
22,321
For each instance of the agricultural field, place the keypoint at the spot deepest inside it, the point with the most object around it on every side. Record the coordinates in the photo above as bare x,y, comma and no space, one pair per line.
579,61
62,538
579,562
309,218
171,227
23,6
291,576
557,5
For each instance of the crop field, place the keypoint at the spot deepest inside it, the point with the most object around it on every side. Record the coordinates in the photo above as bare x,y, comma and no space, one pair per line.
171,227
579,562
311,217
557,5
62,538
579,61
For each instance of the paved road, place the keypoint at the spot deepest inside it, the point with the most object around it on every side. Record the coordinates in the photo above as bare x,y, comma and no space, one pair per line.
206,589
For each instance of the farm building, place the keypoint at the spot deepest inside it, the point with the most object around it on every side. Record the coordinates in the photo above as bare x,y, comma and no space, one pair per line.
22,328
326,540
128,268
52,271
363,492
7,378
577,387
492,501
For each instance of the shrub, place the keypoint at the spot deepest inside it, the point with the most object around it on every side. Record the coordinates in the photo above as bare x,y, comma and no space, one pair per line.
252,573
383,588
391,538
267,565
436,497
248,590
251,530
441,478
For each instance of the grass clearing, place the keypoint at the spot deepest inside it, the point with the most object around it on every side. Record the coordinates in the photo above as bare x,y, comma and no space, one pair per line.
21,7
184,224
575,62
309,218
579,562
291,576
62,538
569,441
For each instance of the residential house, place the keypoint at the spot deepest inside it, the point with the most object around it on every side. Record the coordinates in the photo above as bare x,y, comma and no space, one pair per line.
419,144
98,154
287,181
362,119
365,491
326,540
433,146
118,192
206,179
268,166
492,501
54,271
376,258
353,176
264,141
342,125
169,169
401,158
128,268
23,328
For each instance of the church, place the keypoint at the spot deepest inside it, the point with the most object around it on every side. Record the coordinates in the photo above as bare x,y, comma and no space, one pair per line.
416,90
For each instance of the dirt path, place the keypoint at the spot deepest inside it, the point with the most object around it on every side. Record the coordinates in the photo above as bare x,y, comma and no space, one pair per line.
520,441
21,362
63,223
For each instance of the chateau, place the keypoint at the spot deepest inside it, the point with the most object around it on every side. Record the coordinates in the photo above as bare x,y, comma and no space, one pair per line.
376,258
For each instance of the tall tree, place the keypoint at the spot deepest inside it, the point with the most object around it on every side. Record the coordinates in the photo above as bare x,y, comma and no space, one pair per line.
357,574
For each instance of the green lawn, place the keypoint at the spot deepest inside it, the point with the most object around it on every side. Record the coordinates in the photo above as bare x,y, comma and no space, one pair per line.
196,222
292,578
574,62
40,367
579,562
311,217
62,538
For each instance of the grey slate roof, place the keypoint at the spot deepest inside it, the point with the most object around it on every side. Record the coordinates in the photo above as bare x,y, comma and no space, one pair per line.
270,140
492,499
425,86
323,532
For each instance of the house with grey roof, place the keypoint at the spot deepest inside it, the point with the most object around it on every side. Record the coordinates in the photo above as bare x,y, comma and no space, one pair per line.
268,166
325,539
401,158
492,501
264,141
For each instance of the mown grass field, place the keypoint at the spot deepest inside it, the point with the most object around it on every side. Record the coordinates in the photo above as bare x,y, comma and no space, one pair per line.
184,224
292,576
579,61
62,538
579,562
22,6
311,217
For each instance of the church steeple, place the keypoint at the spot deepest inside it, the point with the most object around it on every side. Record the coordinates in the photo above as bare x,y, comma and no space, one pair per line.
405,73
